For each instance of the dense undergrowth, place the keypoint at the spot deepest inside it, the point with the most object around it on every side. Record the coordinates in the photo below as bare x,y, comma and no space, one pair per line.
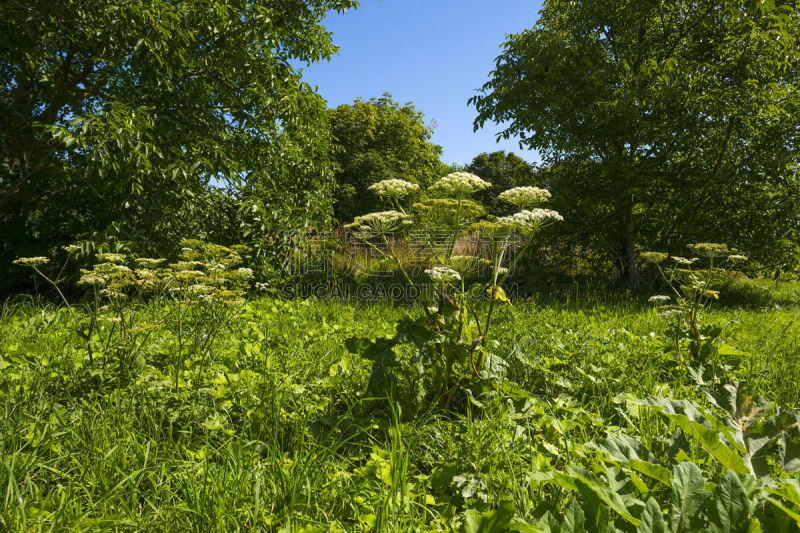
268,427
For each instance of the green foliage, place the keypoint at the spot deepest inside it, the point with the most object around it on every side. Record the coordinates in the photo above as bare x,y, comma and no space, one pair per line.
504,171
376,140
116,116
663,122
452,352
270,427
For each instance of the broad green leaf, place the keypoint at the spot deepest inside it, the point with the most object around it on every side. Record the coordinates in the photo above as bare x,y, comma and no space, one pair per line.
729,507
688,497
652,519
496,521
587,483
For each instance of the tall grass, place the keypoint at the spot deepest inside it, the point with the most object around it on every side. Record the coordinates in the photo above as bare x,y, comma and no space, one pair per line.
272,432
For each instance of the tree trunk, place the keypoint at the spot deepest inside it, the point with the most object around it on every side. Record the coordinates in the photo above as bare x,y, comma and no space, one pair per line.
629,271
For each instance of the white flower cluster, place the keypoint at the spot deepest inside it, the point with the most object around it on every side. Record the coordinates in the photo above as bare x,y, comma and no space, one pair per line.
525,197
31,261
736,258
110,257
532,218
393,188
442,274
659,299
460,184
684,261
380,223
671,313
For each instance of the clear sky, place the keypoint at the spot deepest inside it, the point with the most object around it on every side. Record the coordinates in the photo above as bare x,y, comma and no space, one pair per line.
434,53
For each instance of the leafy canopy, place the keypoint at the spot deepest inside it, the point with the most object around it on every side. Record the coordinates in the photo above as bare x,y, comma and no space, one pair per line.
115,114
667,119
377,140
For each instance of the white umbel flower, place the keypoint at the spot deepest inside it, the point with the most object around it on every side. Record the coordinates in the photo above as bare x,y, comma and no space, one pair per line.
393,188
459,184
525,197
442,274
31,261
659,299
380,223
736,258
532,219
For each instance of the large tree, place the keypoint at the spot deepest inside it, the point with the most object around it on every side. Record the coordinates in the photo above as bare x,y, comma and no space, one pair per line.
375,140
116,113
668,120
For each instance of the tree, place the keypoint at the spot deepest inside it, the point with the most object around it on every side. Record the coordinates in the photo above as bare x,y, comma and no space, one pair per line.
504,171
376,140
667,120
115,114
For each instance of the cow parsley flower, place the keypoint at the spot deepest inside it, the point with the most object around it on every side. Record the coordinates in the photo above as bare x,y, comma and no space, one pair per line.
658,299
380,223
111,258
684,261
531,219
736,258
442,274
525,197
653,258
393,188
71,248
149,262
31,261
671,313
709,249
459,184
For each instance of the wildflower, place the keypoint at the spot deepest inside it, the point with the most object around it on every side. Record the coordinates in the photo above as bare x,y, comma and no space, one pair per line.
502,271
737,258
247,272
493,228
525,197
380,223
684,261
149,262
659,299
393,188
186,265
71,248
91,279
459,184
709,249
442,274
653,258
671,313
111,258
531,219
444,211
32,262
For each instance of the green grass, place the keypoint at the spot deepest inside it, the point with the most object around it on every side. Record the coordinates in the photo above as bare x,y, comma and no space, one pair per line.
270,430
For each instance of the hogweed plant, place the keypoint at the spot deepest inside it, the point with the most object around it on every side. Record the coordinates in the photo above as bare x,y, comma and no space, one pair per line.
691,282
203,291
453,352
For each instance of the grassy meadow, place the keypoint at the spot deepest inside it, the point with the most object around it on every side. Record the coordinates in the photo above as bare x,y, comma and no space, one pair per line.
266,426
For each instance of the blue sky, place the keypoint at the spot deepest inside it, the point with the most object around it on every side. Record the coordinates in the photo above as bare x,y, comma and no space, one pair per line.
434,53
